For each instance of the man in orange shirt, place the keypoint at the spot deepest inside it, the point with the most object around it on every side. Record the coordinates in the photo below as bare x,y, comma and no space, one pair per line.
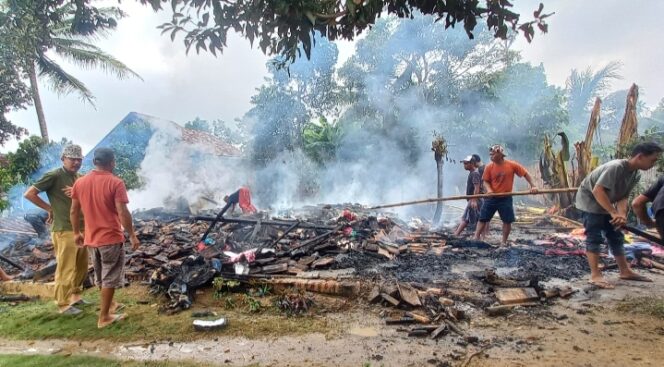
498,178
102,197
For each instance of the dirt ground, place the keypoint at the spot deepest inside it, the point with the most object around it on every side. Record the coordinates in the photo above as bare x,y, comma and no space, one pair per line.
585,330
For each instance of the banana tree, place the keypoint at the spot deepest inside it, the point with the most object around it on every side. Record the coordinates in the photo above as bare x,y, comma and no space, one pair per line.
629,125
586,161
553,169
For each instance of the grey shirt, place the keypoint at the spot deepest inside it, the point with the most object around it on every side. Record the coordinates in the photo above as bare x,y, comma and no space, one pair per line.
615,177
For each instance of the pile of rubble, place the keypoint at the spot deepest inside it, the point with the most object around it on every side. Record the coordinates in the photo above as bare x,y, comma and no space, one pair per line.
421,277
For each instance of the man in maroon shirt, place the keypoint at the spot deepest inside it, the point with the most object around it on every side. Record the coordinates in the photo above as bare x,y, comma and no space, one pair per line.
102,197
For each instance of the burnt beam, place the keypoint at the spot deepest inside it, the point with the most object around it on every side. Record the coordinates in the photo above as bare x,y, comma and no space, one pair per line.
278,223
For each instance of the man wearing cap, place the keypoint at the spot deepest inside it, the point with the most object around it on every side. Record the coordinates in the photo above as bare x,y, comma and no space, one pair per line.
478,165
473,187
72,261
102,198
498,178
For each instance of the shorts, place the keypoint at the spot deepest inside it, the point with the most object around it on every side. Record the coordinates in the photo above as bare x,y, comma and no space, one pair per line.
598,227
470,215
109,265
504,207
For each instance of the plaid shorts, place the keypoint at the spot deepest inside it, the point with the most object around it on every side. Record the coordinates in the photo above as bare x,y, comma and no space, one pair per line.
109,265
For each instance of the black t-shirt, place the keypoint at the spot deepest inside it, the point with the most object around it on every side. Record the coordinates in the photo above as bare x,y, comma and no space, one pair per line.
480,169
474,178
656,195
234,198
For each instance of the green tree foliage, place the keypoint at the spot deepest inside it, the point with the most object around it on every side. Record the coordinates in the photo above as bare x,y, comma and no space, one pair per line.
291,99
198,124
287,27
523,101
15,94
321,140
406,78
32,158
34,27
582,87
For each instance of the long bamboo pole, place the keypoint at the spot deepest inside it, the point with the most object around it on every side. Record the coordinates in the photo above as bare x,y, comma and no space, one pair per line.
478,196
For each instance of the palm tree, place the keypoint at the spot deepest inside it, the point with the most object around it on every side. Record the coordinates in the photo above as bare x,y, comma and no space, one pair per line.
59,37
584,86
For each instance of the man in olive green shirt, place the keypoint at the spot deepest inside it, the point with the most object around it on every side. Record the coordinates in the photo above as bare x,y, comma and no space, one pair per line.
72,261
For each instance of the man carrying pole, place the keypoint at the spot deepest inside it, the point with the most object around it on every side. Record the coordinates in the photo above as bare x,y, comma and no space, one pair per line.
473,187
498,178
603,198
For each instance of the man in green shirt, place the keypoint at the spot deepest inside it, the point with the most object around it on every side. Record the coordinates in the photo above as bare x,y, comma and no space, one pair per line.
602,199
72,261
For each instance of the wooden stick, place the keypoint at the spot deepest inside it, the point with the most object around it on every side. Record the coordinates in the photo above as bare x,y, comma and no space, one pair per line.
478,196
476,353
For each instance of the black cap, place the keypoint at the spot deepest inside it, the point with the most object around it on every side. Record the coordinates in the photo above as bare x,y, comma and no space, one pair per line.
476,158
103,156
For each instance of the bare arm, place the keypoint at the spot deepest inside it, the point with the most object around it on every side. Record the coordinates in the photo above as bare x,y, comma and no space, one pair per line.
75,218
32,195
487,188
529,179
617,218
476,190
639,206
127,224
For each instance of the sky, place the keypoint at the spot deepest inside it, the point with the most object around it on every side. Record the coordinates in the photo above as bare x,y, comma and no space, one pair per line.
180,87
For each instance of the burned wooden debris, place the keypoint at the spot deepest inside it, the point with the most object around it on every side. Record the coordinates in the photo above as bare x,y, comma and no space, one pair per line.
402,267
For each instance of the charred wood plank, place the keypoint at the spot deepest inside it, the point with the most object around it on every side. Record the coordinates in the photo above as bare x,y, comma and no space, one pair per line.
508,296
400,321
505,309
409,294
265,222
389,299
441,330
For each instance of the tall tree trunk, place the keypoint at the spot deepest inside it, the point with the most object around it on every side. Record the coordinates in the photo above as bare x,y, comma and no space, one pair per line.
439,191
38,104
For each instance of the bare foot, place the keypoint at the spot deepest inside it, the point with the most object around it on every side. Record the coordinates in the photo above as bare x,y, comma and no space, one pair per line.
102,323
115,307
601,283
634,276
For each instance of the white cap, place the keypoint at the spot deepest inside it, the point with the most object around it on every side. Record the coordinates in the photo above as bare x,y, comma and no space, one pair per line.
467,159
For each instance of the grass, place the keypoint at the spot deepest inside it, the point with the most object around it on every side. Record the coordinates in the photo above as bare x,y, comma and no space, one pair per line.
40,320
86,361
652,306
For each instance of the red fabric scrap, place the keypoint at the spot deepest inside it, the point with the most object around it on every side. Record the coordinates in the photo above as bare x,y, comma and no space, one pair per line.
348,215
348,231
